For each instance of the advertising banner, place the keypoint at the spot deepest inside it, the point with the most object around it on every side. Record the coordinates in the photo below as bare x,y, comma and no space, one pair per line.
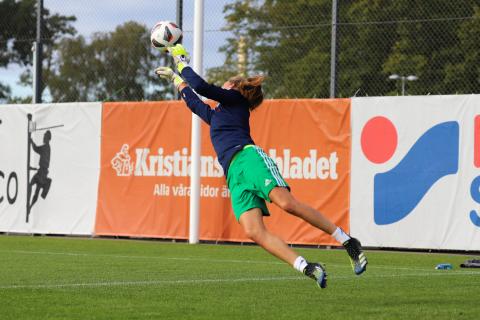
49,167
145,159
416,172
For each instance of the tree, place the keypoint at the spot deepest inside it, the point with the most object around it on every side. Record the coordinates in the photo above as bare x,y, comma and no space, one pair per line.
240,18
4,92
289,41
18,31
285,40
114,65
464,74
426,49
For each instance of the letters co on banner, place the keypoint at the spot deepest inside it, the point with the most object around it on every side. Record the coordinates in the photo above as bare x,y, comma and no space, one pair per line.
145,159
49,167
416,172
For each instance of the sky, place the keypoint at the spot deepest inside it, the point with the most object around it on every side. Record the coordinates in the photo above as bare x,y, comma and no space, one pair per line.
105,15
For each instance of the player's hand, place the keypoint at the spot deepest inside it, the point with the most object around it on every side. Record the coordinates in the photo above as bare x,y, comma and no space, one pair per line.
180,56
167,73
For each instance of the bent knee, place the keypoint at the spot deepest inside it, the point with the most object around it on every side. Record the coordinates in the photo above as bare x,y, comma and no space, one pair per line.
255,233
289,205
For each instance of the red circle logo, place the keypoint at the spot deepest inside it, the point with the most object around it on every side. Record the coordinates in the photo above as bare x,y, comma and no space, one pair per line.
379,139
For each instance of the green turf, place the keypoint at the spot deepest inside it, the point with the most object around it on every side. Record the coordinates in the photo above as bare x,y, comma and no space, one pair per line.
75,278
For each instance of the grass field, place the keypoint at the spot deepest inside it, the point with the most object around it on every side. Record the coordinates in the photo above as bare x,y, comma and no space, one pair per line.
76,278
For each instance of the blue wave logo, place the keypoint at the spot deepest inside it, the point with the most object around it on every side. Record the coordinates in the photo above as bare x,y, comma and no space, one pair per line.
433,156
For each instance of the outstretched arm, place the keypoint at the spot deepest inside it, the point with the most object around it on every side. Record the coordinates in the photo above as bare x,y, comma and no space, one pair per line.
207,90
210,91
194,103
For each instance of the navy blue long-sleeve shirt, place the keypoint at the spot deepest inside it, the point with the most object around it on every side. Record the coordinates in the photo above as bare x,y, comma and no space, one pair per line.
229,121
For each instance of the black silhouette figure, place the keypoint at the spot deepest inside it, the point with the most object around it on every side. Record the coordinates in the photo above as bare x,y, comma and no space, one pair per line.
41,179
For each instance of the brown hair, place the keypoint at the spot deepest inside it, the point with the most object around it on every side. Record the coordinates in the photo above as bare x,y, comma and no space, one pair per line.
250,88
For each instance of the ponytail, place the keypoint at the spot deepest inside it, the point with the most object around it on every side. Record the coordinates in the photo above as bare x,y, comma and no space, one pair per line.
250,88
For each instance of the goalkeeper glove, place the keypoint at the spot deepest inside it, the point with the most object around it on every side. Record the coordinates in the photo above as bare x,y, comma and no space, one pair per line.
180,56
167,73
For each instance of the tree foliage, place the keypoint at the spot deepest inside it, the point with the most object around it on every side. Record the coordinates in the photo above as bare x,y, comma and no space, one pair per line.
18,32
115,65
4,92
289,41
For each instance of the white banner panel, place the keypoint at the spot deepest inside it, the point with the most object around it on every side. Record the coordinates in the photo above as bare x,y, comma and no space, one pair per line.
415,174
49,167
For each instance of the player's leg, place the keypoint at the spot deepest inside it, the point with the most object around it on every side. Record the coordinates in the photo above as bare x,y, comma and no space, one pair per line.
285,200
252,223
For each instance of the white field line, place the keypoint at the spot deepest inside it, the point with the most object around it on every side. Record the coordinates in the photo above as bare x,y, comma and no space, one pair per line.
212,281
138,257
142,283
78,254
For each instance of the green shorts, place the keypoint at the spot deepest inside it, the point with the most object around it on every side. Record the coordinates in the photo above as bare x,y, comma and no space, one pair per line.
251,176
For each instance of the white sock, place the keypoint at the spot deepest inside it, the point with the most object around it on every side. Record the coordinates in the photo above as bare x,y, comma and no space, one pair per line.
300,263
340,235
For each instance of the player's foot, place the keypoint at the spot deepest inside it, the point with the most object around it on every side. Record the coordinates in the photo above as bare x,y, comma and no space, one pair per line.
357,257
317,272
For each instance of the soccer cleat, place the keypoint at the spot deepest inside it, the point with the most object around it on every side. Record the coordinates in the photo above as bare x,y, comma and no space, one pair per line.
317,272
357,257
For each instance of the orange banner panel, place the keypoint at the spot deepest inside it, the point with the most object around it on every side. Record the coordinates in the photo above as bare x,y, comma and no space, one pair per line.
132,198
309,139
144,183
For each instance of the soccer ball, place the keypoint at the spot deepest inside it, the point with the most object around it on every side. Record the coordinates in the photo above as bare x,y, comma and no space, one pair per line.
165,34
